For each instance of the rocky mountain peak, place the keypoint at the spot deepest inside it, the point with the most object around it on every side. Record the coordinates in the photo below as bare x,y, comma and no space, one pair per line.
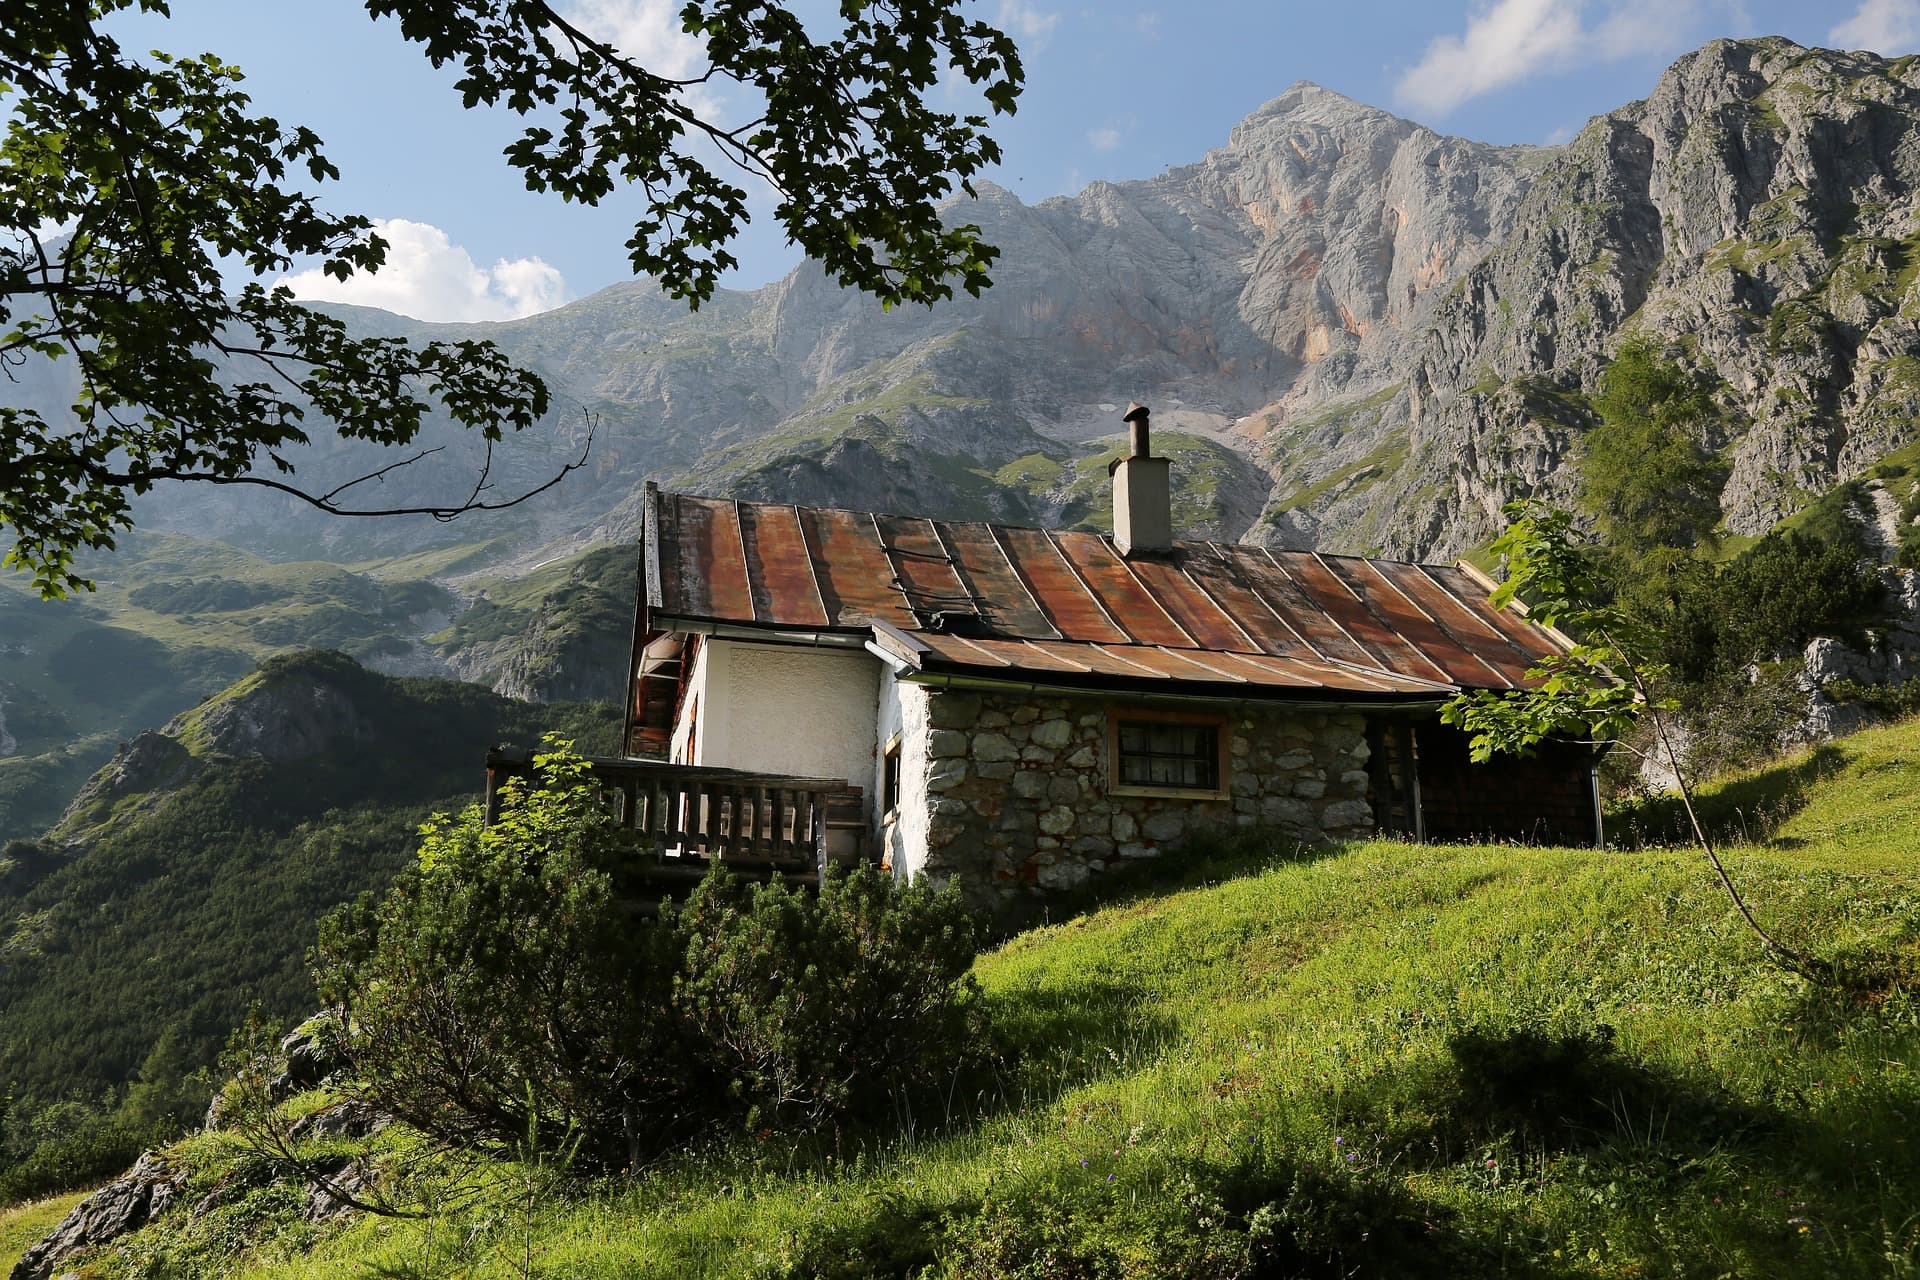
1306,101
1399,327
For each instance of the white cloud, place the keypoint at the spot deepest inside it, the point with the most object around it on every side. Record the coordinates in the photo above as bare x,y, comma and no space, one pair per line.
648,31
1887,27
1017,18
1507,41
1638,27
1104,139
429,277
651,32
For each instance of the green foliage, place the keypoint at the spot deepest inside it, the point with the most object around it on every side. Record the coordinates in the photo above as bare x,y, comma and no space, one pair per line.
507,978
1233,1080
163,177
1580,694
163,173
175,914
1729,636
1648,479
99,1147
1790,586
499,984
809,1009
857,160
1687,631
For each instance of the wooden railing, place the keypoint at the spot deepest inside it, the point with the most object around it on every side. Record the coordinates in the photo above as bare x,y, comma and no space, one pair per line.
690,815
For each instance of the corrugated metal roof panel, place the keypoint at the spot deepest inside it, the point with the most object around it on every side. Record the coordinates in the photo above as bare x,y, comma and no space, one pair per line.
1219,575
924,570
1289,600
778,566
989,572
1057,588
1523,635
1173,587
1341,602
856,577
711,560
1145,666
1067,606
1121,594
1448,660
1461,620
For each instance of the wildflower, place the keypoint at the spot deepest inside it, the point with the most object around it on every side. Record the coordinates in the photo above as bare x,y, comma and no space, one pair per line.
1083,1162
1109,1177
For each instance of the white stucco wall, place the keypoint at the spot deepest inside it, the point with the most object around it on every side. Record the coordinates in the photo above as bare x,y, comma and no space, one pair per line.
783,709
692,711
903,711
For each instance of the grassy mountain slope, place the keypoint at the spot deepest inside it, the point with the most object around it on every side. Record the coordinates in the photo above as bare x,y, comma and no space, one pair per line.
176,619
1388,1060
562,631
184,883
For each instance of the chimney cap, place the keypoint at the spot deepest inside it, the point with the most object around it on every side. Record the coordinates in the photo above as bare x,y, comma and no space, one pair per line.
1136,412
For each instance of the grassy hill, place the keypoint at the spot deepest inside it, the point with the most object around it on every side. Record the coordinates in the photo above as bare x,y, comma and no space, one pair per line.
1382,1060
175,620
183,885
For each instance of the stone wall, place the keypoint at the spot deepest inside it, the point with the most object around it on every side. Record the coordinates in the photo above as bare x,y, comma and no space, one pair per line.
1019,802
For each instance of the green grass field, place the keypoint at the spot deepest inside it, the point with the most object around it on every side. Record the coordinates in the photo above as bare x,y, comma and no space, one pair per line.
1385,1060
23,1225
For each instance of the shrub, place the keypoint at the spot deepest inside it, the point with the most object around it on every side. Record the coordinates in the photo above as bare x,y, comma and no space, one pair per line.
817,1007
1789,587
506,984
95,1149
500,977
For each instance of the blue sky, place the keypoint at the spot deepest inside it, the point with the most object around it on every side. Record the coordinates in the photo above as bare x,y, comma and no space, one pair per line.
1114,90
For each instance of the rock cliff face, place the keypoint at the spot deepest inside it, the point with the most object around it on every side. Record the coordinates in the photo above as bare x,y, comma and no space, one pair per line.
1375,333
1296,264
1756,216
292,709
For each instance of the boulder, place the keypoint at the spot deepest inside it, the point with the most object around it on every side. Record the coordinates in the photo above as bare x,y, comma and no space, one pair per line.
118,1209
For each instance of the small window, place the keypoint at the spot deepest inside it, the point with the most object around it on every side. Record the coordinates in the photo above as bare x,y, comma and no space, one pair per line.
890,781
1167,754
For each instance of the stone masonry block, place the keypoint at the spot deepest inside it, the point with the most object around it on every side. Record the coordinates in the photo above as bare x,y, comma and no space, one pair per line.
953,710
943,743
993,746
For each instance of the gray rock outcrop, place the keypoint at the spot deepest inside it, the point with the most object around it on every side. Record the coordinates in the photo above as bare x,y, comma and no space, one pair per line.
117,1209
1753,215
1834,673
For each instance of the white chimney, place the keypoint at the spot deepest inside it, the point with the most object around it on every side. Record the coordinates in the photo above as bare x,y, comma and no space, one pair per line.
1142,493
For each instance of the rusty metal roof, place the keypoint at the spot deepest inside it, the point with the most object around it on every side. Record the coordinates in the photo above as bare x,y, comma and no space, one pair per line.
1065,607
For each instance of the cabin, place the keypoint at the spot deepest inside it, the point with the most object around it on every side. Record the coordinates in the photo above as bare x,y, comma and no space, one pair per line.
1031,709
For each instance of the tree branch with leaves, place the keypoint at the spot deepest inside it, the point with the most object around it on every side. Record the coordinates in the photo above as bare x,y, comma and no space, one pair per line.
1597,689
132,187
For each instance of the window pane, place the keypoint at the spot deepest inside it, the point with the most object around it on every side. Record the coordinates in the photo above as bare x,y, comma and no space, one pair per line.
1158,753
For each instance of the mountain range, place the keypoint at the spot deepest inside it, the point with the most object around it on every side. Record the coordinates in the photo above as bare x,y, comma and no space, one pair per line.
1357,334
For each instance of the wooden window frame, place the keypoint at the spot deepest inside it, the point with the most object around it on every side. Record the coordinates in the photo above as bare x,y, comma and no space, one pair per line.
890,780
1222,741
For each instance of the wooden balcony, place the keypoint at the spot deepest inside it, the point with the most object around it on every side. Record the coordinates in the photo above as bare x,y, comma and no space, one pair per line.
685,817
